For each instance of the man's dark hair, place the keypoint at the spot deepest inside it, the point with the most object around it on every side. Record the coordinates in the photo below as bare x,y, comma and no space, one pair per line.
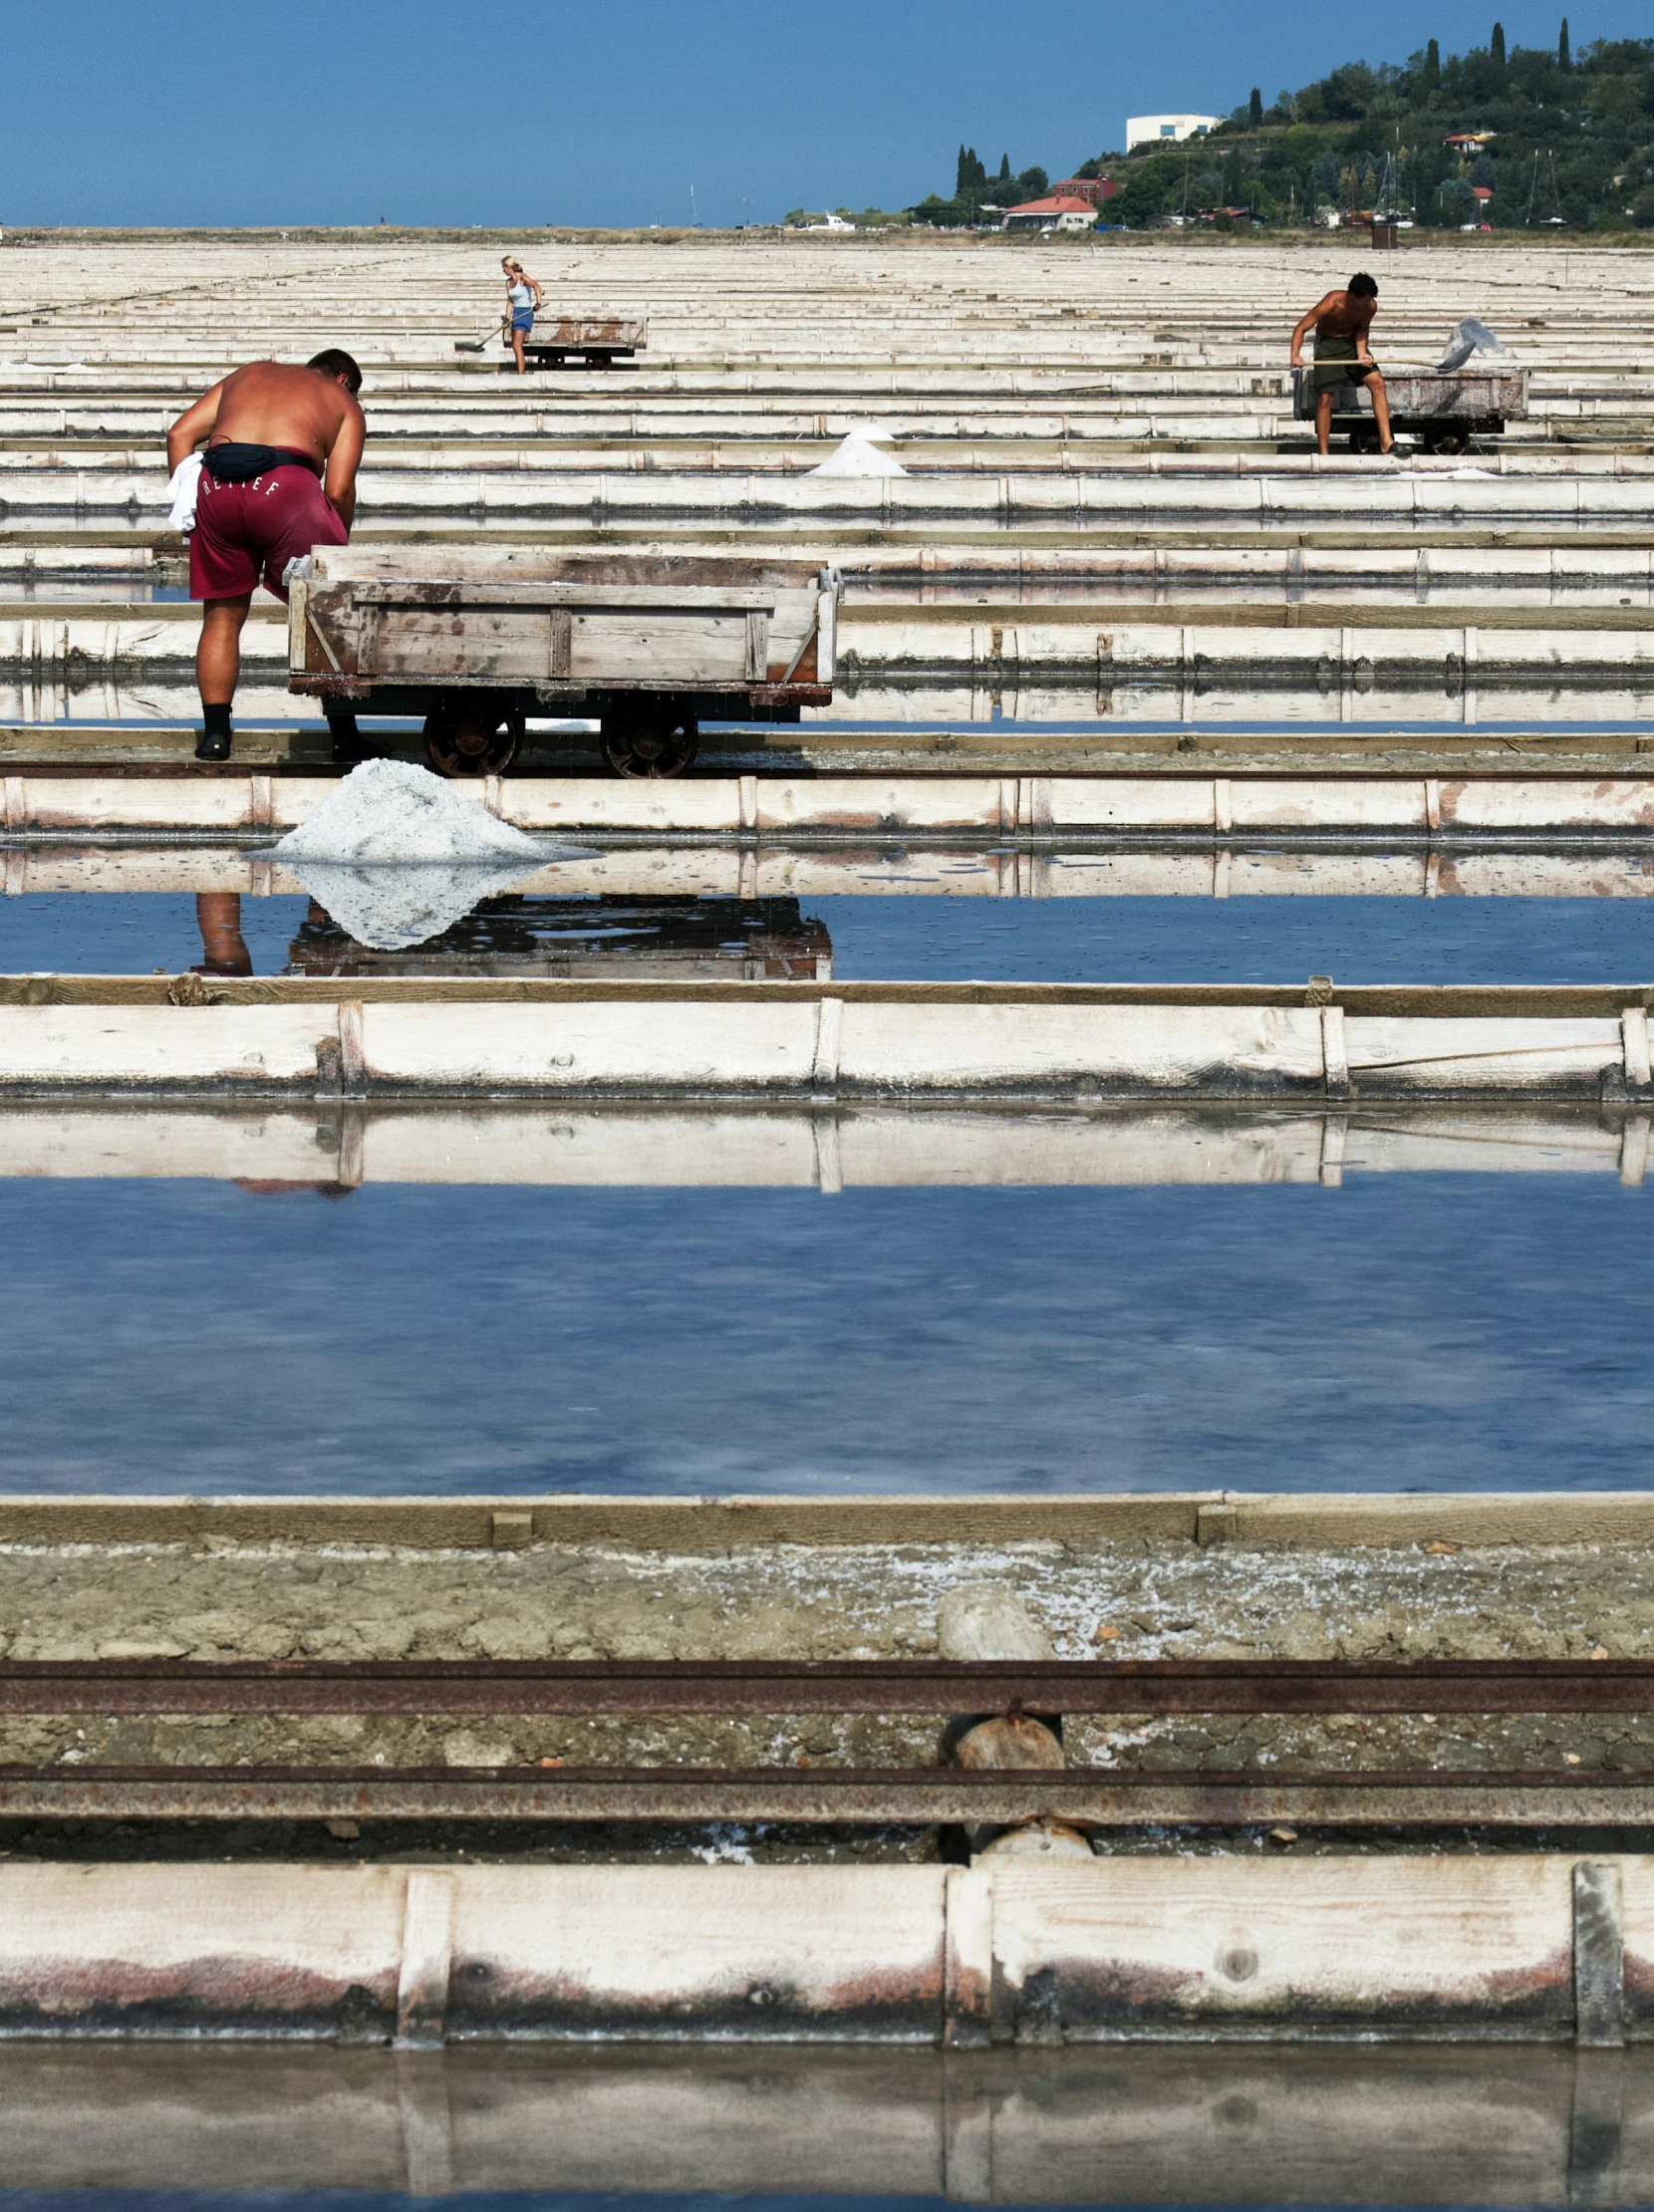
334,363
1361,285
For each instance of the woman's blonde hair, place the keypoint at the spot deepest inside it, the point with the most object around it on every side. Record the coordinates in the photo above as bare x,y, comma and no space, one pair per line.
510,264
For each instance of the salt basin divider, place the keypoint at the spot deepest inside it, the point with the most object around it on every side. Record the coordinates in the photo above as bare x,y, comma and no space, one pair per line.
1036,1949
392,1038
1525,799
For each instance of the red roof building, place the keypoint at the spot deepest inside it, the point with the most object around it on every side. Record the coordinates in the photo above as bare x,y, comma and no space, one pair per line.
1093,189
1059,211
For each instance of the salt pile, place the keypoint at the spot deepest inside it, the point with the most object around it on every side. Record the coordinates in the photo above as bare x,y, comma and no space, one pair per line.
396,854
858,453
390,810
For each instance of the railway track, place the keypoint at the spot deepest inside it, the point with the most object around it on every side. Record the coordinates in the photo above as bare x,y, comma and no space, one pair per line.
1094,1797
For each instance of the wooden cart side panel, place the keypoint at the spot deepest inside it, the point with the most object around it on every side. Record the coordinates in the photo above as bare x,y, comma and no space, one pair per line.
592,329
542,564
324,630
1458,396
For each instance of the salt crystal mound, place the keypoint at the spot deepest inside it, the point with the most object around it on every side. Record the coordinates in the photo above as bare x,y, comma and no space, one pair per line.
857,454
396,854
390,810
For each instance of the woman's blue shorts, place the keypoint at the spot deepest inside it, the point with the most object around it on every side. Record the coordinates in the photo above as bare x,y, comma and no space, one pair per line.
524,321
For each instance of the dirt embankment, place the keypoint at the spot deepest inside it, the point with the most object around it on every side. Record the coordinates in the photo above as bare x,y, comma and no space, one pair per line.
1139,1597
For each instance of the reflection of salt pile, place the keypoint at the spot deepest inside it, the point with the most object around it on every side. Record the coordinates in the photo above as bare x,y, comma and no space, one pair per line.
396,854
857,454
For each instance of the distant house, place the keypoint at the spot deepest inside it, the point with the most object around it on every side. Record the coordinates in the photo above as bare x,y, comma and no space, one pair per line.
1095,189
1152,129
1058,211
1470,141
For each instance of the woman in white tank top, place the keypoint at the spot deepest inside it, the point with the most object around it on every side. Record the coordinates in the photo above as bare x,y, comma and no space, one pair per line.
522,296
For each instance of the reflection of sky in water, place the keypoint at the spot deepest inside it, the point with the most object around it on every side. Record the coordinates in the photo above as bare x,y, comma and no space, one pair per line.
1253,940
1402,1332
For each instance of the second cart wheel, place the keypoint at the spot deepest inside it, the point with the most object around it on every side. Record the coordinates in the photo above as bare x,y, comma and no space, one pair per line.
473,738
658,742
1364,440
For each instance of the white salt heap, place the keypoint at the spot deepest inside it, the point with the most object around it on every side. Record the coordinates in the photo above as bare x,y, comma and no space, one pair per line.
396,854
857,454
390,810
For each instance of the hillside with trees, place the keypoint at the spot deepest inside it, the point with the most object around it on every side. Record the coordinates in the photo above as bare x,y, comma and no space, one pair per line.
974,189
1571,137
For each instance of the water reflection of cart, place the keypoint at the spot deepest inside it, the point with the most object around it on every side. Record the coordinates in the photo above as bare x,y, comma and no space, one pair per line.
1443,408
668,939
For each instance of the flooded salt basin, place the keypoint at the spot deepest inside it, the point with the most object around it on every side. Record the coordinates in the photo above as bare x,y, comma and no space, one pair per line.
1398,1333
582,1298
137,2129
906,925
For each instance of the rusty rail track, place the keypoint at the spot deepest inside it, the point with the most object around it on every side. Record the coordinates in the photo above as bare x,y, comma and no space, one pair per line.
1095,1797
1098,1798
758,1686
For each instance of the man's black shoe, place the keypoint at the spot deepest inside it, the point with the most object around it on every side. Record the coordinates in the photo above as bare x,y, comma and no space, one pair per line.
213,744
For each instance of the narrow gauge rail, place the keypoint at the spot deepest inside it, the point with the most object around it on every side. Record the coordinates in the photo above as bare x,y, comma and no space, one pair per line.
1093,1796
745,1686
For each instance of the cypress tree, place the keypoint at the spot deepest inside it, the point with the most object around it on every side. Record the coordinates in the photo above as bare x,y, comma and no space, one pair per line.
1255,110
1432,67
1565,59
1496,46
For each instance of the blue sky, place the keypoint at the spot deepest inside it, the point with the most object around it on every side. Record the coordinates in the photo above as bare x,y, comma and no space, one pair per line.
525,112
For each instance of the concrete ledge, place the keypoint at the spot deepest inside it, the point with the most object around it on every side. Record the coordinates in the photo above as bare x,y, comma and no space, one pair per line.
780,805
1036,1949
1312,1520
377,1039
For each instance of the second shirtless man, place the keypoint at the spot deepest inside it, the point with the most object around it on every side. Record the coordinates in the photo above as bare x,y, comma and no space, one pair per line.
278,476
1341,322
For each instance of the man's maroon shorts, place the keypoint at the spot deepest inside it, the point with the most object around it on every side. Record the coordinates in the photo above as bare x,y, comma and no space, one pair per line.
247,533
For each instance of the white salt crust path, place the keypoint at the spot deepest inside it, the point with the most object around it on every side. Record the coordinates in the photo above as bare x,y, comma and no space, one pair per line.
396,854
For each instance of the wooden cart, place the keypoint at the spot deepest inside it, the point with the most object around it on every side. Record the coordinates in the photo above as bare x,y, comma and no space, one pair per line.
591,342
476,639
1443,408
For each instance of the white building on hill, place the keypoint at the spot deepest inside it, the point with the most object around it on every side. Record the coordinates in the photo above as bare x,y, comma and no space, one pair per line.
1150,130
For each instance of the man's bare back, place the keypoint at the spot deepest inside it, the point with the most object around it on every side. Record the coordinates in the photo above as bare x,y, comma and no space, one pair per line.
272,403
270,431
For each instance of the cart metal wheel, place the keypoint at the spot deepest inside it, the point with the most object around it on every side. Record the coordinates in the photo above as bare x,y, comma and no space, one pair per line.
1455,441
650,741
1364,438
472,736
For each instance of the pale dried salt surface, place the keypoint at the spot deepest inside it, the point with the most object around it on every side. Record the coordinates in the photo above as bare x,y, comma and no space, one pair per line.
396,854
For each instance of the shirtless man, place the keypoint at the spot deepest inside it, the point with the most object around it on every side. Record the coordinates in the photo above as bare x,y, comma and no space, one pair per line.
1342,323
278,476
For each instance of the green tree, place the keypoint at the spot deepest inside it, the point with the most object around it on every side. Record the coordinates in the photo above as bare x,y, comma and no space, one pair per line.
1255,111
1496,48
1431,68
1565,59
1456,201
